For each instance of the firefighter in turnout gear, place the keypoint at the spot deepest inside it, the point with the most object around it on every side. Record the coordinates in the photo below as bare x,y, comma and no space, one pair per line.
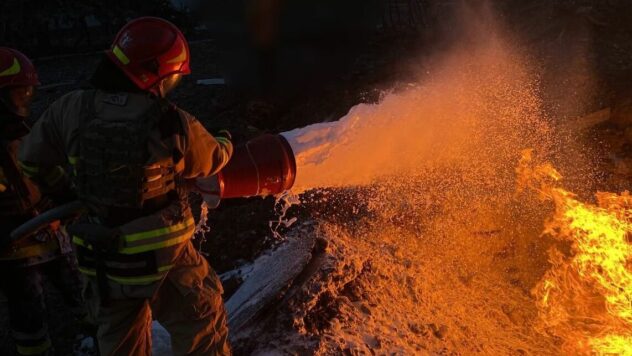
130,152
48,252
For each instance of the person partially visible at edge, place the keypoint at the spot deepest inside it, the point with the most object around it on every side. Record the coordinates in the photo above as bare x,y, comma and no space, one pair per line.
25,261
130,152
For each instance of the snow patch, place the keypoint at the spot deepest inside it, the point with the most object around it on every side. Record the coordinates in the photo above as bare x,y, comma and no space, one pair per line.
267,277
160,340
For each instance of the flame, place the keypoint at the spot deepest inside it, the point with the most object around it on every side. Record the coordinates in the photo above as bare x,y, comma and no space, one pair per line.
586,296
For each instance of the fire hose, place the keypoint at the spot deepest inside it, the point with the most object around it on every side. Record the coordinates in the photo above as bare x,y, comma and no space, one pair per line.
44,219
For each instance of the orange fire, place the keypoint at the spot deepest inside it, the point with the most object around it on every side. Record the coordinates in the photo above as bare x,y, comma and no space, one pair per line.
586,297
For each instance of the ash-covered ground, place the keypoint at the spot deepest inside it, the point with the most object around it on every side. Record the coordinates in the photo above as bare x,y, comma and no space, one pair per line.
415,282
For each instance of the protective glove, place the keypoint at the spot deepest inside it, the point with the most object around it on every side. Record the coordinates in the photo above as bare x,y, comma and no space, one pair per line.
209,188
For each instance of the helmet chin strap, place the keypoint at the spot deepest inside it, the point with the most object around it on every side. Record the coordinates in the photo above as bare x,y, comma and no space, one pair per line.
157,90
161,89
165,86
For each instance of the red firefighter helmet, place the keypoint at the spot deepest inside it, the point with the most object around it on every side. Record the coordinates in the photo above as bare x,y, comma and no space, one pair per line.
149,49
16,70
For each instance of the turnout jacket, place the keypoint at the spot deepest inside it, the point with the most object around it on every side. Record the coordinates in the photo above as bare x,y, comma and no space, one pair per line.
20,200
147,245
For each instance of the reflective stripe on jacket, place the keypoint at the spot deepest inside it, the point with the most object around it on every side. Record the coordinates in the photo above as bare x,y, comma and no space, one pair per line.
151,239
148,248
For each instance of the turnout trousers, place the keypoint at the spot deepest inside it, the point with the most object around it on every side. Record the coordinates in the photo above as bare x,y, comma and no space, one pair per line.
187,302
23,287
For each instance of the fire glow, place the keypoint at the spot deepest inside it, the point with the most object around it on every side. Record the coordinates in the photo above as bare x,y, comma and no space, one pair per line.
586,297
439,160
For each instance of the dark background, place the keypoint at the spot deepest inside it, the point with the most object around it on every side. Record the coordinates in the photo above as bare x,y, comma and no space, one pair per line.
264,42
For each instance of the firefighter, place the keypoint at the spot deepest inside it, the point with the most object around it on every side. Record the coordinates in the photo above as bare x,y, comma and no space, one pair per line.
130,153
49,252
